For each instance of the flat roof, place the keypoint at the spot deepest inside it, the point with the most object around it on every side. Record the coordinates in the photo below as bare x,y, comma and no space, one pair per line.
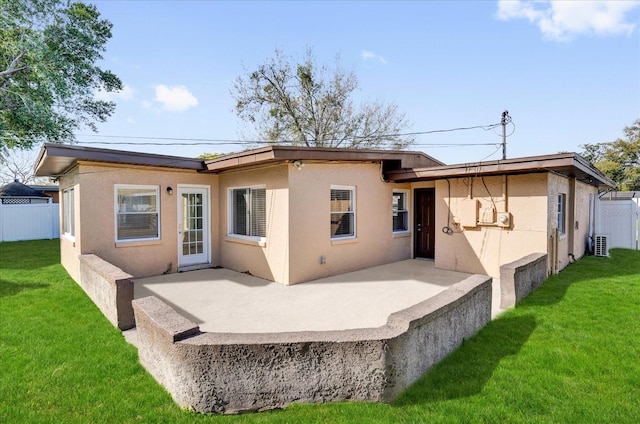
276,153
403,166
55,159
569,164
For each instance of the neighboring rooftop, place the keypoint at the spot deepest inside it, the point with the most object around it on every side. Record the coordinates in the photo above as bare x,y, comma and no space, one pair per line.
17,189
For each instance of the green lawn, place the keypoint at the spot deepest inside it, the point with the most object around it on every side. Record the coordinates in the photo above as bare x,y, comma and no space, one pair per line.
569,353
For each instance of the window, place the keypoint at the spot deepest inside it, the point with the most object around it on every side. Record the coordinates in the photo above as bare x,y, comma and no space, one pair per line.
343,212
400,212
137,213
562,200
68,210
248,216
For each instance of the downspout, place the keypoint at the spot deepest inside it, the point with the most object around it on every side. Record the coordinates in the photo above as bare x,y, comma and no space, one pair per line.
554,251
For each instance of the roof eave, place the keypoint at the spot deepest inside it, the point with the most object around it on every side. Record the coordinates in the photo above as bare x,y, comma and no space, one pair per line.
56,159
280,154
569,164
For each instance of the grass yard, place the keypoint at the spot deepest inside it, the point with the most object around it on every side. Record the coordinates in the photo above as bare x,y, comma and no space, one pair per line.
570,352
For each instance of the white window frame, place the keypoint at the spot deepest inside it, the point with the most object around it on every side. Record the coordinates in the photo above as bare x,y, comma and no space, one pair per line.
68,211
352,189
405,194
562,213
231,214
117,188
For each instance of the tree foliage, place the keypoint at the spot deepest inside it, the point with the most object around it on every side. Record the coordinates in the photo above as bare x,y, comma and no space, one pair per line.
619,159
48,71
308,104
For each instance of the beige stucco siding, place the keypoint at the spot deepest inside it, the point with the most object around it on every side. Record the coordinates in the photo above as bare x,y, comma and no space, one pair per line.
310,237
484,248
70,247
95,223
558,249
270,259
298,223
582,212
574,240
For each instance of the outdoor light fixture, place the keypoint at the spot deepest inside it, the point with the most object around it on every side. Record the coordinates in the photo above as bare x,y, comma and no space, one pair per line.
298,164
169,191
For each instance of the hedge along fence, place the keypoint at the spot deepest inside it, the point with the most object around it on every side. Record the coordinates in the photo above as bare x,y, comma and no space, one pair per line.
228,373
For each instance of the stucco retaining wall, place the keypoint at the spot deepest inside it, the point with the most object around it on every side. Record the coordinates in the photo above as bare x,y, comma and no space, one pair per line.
110,288
519,278
228,373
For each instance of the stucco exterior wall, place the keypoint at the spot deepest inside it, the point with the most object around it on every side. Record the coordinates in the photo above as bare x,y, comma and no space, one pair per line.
270,260
95,218
581,225
298,223
70,247
482,249
310,228
559,249
574,240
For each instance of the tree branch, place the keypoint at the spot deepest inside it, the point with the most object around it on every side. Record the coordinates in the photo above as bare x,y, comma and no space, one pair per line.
12,69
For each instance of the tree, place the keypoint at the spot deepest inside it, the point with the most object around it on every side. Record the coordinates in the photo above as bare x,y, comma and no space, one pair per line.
309,105
48,71
619,159
209,156
19,166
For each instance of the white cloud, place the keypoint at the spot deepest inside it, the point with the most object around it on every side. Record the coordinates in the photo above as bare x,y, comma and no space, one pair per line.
560,20
368,55
175,99
125,94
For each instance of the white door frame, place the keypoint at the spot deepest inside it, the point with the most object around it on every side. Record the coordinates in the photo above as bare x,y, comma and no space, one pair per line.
205,257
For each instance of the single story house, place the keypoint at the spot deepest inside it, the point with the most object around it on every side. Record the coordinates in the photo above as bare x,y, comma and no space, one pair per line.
294,214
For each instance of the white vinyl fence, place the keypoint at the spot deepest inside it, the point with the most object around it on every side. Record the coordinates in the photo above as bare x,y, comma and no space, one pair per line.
29,221
618,220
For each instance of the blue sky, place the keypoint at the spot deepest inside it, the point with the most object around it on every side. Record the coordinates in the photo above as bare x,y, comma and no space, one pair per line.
568,72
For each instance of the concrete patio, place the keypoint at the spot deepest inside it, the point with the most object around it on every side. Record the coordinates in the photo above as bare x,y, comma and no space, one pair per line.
224,301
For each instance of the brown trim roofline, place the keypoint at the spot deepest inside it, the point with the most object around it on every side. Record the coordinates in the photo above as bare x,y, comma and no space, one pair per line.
55,159
276,153
568,164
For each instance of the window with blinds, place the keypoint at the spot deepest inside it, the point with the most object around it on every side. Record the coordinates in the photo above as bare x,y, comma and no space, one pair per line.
343,212
399,211
562,200
137,212
248,215
68,210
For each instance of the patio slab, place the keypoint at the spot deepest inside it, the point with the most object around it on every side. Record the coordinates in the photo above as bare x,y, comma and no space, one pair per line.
225,301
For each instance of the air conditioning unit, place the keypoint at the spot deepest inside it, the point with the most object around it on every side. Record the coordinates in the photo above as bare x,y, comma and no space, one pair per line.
600,247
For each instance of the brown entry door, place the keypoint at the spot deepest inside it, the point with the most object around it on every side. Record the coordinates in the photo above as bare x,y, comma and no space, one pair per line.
424,223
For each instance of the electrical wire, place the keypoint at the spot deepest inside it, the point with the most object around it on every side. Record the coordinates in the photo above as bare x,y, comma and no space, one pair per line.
189,141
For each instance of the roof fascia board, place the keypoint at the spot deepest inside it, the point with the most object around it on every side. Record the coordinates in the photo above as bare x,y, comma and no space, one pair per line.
534,164
290,153
75,153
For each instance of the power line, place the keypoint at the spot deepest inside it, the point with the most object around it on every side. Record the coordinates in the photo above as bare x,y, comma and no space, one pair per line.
184,141
217,143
